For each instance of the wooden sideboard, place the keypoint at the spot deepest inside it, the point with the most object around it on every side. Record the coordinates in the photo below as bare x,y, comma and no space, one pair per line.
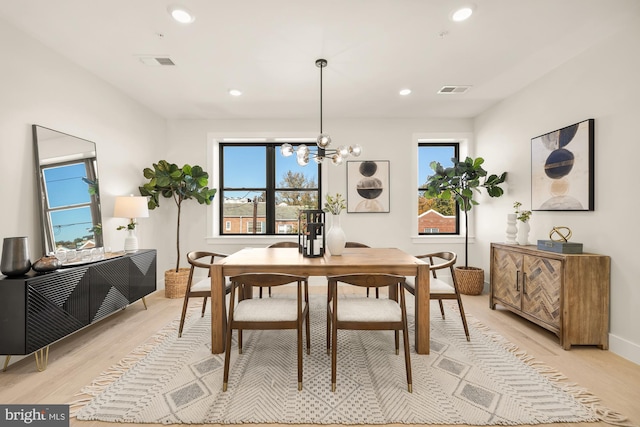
567,294
39,309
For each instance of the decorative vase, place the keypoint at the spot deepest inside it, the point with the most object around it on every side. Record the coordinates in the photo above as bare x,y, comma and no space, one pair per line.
131,242
523,233
336,239
15,256
512,230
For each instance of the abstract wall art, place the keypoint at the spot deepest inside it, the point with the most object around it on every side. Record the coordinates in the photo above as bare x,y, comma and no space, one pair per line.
562,164
368,186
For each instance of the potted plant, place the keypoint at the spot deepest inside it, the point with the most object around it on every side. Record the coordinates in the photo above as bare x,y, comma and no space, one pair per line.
460,182
179,184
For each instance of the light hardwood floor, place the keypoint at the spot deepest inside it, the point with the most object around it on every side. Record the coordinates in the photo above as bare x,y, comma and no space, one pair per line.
76,360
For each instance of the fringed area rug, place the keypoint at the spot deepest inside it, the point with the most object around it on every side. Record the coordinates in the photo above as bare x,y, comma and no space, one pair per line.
486,381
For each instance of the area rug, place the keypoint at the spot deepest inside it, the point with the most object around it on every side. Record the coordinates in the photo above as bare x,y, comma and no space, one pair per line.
173,380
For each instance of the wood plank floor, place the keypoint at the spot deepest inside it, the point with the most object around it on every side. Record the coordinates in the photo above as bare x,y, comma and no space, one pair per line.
76,360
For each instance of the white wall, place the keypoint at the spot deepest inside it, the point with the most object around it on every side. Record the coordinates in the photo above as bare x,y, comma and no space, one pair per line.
41,87
389,139
602,83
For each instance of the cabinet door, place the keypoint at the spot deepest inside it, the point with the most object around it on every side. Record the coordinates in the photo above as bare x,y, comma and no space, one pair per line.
506,277
541,287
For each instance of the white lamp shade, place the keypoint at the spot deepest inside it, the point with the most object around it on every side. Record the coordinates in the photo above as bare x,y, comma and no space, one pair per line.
131,207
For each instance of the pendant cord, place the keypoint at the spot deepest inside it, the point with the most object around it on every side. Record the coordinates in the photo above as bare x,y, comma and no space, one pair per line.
321,67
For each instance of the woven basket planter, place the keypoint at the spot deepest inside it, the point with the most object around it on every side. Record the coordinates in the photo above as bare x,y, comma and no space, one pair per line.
470,280
175,284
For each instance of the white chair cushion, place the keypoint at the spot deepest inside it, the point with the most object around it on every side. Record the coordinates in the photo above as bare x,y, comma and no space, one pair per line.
368,310
202,285
436,286
266,310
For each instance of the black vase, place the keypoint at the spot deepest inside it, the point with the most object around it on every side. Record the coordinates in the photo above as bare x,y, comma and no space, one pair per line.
15,256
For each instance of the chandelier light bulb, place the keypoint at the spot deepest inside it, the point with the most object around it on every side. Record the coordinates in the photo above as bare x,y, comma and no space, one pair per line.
343,151
336,159
356,150
323,140
286,150
303,160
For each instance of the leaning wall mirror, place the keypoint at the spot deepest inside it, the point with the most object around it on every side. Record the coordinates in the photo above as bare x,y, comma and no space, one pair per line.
67,169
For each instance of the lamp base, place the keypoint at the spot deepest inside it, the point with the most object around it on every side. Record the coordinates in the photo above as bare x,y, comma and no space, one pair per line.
131,243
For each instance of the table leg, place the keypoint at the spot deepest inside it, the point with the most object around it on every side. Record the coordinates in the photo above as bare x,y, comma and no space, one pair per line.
422,309
218,310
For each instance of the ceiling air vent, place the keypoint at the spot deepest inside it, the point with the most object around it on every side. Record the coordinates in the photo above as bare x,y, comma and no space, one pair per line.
155,61
448,90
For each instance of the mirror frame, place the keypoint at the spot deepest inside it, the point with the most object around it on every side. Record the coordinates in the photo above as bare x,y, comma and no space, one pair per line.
61,157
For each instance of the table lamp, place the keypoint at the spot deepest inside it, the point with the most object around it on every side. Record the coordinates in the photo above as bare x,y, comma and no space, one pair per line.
131,207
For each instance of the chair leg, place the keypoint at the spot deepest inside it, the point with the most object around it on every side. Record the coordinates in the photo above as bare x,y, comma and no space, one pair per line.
269,291
227,357
299,331
260,292
377,292
407,357
464,318
204,306
368,292
308,331
239,341
334,345
396,334
441,308
184,314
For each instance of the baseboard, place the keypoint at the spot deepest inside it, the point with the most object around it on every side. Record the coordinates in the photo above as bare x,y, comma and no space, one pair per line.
624,348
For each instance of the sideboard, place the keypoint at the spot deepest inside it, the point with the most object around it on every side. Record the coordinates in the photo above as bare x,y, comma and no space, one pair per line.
566,294
39,309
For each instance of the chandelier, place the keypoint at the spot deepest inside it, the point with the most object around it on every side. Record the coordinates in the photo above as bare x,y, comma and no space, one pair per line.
304,153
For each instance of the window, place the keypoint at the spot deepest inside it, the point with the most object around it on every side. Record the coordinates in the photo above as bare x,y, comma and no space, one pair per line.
436,216
260,186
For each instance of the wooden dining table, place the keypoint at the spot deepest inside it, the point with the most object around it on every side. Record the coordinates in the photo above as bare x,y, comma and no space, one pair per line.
289,260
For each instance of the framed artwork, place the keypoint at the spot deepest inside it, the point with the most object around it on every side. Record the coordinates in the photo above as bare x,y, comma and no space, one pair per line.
562,169
368,186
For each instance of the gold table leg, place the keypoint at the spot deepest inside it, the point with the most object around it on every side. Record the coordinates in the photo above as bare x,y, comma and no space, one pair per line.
145,303
6,363
42,358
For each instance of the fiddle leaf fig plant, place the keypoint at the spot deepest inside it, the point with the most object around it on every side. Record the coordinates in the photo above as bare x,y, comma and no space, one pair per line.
179,184
462,182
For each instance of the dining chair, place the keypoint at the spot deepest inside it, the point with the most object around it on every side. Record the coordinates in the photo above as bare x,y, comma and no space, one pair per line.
201,288
361,245
438,288
361,313
267,313
279,245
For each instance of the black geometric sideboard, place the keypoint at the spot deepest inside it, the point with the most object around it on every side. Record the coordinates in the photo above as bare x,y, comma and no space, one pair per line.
37,310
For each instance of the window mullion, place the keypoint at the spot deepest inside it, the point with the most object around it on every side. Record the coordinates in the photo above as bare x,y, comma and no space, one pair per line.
270,208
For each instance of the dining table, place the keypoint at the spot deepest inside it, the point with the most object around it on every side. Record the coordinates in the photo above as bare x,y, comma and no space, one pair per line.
291,261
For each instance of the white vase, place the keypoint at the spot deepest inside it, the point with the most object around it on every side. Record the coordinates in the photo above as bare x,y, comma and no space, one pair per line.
512,230
336,238
131,242
523,233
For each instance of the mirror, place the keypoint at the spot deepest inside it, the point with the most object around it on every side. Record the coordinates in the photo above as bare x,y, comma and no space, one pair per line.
69,194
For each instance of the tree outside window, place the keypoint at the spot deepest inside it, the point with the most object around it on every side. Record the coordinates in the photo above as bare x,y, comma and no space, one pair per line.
259,186
436,216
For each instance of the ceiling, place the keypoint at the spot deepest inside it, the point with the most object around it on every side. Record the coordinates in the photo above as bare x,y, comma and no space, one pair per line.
267,49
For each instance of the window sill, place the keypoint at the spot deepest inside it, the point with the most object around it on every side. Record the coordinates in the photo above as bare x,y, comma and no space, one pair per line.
258,240
440,239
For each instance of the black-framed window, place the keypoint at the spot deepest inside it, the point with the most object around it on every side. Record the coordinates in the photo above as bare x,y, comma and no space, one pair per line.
260,186
435,216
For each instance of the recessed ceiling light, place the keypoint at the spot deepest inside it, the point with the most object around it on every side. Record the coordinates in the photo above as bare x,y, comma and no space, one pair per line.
405,92
181,14
235,92
462,14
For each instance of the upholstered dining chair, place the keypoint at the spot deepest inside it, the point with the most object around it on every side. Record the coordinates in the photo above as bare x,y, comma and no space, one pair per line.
267,313
438,288
201,288
361,245
279,245
361,313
